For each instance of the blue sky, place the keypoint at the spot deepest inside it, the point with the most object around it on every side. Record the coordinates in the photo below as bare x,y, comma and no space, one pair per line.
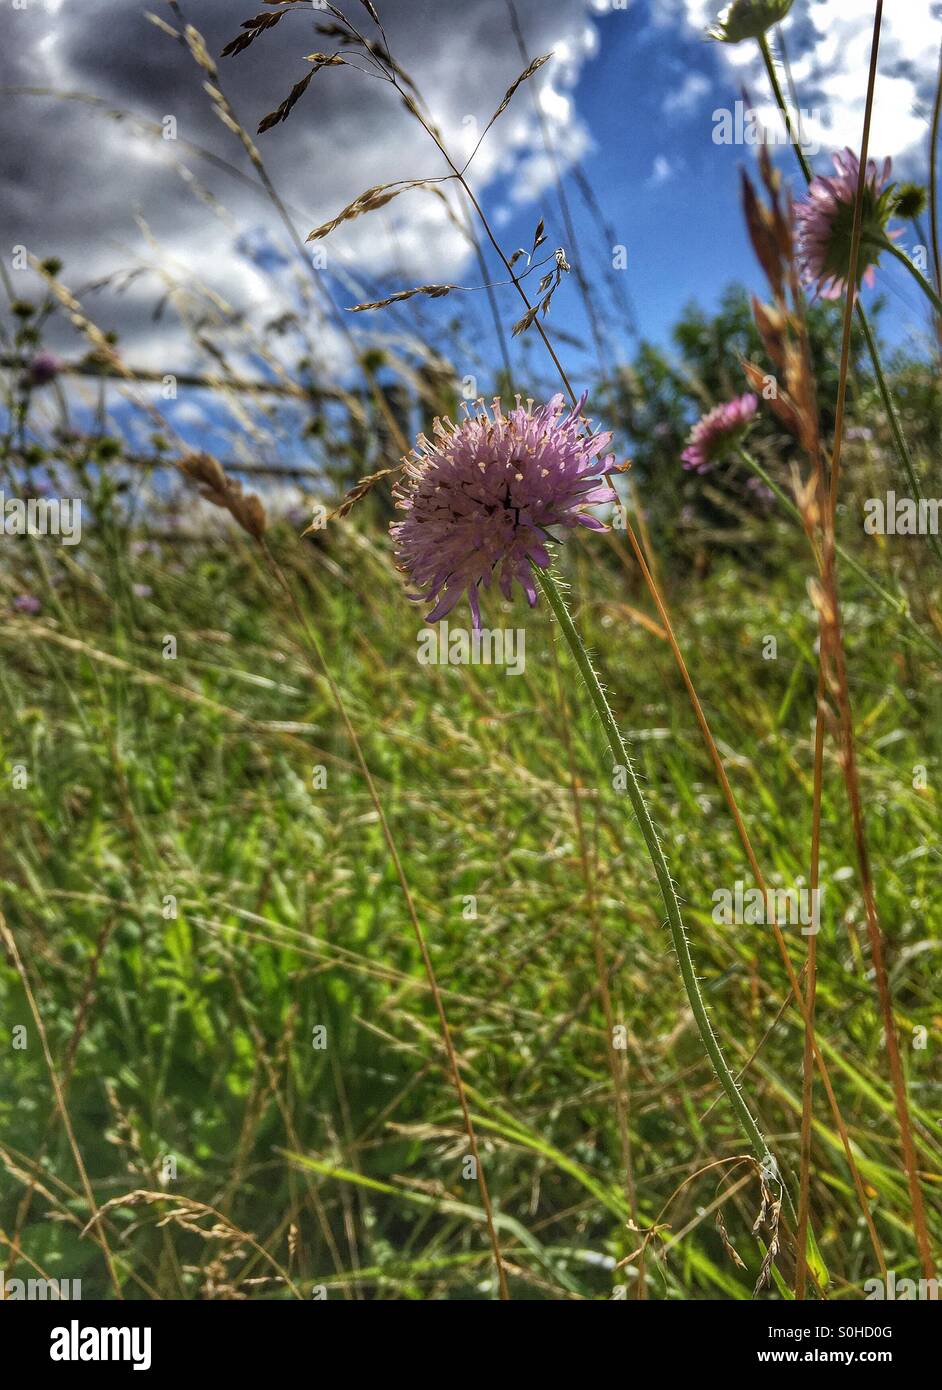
648,97
629,95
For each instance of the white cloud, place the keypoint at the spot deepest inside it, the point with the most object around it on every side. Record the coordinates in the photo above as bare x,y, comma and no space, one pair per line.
88,173
662,172
687,96
829,50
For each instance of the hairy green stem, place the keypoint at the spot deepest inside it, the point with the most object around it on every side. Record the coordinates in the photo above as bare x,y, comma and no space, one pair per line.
783,106
892,415
658,859
883,243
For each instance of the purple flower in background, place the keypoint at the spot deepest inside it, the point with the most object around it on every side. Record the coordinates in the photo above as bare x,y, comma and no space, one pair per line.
27,603
714,433
760,493
825,224
45,367
479,499
141,590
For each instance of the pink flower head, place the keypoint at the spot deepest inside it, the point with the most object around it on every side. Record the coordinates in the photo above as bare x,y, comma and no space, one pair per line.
825,223
713,434
479,500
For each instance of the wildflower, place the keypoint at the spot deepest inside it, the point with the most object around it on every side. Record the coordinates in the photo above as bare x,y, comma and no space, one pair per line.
760,493
714,434
479,500
141,590
44,367
748,19
825,221
27,603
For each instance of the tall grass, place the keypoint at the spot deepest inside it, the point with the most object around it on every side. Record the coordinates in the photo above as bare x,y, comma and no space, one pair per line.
332,973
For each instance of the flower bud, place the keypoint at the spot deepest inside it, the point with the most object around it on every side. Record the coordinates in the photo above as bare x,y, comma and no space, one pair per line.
748,19
910,201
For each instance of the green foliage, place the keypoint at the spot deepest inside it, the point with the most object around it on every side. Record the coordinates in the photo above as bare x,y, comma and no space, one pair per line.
192,1037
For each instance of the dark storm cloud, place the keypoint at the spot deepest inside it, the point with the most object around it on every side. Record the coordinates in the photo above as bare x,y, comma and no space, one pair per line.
72,180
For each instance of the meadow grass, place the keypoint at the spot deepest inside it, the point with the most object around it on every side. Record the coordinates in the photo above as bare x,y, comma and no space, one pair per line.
194,778
304,936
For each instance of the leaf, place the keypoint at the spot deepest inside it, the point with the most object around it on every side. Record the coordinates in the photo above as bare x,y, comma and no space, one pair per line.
816,1261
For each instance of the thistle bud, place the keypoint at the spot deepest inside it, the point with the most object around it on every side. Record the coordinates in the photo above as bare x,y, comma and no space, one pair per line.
910,201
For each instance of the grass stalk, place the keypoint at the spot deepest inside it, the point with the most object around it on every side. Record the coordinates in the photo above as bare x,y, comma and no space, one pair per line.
897,604
833,638
934,179
885,244
794,982
10,942
899,441
444,1026
691,984
620,1085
